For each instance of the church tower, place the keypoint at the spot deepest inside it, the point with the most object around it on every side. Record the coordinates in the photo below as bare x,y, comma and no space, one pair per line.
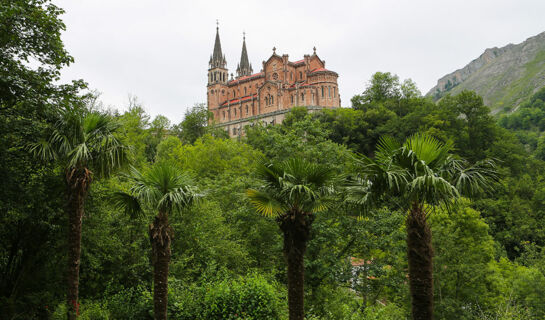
244,68
217,77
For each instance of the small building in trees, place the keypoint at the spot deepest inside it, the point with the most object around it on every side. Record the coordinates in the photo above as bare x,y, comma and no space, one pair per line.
237,101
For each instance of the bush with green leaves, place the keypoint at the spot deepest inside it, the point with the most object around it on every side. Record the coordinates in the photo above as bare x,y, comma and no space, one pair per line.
249,298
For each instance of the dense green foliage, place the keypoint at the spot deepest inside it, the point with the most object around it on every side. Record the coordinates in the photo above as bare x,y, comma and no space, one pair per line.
227,261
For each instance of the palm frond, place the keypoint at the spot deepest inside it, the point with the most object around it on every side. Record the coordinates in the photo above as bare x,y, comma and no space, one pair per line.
43,150
294,183
128,204
386,147
428,149
476,179
431,189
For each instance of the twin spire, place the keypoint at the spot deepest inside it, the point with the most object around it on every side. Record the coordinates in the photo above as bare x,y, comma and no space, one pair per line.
244,68
217,60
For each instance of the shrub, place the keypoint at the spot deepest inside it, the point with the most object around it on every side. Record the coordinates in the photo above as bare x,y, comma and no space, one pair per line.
250,298
131,303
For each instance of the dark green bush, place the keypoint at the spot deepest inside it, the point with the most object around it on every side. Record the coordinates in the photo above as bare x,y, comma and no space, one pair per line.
247,298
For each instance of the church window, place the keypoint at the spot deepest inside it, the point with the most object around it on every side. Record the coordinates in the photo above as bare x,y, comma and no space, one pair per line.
246,109
272,100
244,90
292,98
329,89
266,101
334,92
302,97
300,75
322,91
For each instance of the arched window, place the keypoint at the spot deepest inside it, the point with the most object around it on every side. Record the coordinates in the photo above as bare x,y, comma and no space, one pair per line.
215,76
244,90
322,91
302,97
272,100
246,109
266,101
334,93
329,89
292,98
300,75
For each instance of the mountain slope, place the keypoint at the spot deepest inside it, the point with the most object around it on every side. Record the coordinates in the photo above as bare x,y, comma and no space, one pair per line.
504,77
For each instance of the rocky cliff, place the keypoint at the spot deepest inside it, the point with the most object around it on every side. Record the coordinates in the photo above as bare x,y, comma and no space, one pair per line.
504,77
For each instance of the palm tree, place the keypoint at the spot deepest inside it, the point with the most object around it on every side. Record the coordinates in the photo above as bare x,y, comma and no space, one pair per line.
163,189
293,192
421,174
85,146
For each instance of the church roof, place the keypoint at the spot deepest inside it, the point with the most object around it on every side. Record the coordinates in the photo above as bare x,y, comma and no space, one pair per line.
235,100
255,75
322,70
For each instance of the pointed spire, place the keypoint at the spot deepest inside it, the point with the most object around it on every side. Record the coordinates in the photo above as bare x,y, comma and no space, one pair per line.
244,68
218,59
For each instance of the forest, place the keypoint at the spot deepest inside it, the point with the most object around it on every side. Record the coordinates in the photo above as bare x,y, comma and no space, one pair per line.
398,207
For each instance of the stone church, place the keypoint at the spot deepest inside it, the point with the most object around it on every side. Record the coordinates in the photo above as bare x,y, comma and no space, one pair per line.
269,94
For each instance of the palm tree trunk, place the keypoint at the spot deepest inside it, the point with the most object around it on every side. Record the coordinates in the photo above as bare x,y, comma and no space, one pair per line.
296,234
160,237
78,181
420,257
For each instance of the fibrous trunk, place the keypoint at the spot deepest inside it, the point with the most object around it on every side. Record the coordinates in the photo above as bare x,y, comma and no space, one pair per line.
78,181
420,258
296,229
160,236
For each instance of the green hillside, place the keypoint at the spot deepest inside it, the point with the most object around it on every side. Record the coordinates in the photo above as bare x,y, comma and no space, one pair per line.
504,77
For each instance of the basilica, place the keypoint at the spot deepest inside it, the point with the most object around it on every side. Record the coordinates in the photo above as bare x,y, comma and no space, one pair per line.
237,101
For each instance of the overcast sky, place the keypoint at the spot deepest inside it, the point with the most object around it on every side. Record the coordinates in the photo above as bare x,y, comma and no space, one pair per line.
159,50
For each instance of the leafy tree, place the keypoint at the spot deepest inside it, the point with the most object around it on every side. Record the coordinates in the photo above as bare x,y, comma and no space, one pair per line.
135,123
475,127
383,86
83,143
293,192
163,189
464,252
421,173
30,31
197,122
